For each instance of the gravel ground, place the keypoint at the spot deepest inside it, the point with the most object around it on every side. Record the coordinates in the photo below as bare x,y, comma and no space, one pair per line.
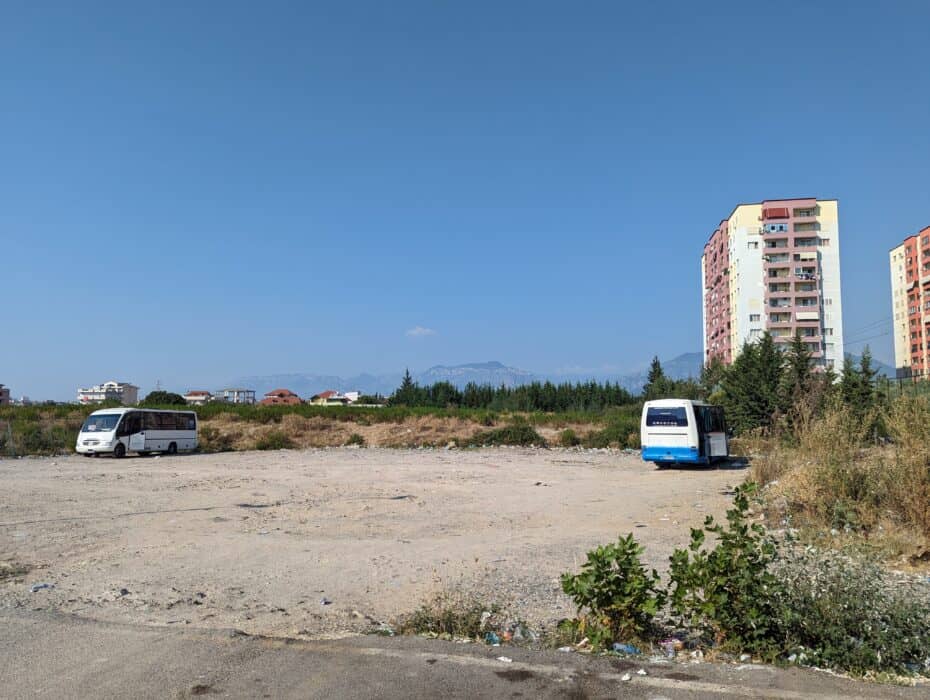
321,543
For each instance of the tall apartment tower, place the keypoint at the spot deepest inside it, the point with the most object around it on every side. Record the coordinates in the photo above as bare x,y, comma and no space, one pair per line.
774,266
910,304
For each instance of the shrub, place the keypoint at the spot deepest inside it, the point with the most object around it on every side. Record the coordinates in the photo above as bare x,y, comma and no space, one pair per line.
621,597
846,614
518,434
356,439
274,440
455,614
212,440
730,591
568,438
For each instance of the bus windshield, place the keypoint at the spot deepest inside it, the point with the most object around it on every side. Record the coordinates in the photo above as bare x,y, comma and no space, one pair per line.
102,423
673,416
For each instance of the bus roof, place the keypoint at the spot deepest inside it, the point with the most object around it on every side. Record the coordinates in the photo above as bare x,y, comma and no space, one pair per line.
120,410
676,402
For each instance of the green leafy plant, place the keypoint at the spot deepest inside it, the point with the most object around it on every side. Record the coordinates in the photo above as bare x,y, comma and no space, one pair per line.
730,591
621,597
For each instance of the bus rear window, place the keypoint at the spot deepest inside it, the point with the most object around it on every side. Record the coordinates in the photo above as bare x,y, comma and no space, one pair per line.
675,417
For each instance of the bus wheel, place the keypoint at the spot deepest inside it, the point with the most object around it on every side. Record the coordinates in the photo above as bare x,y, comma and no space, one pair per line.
173,448
119,451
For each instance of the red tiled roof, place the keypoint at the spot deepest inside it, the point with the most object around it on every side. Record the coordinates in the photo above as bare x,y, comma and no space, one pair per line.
198,393
328,394
281,393
280,400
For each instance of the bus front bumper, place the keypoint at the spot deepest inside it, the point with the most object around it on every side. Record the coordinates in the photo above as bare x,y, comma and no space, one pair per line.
94,447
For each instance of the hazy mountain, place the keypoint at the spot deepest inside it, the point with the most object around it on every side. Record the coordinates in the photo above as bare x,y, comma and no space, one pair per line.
493,373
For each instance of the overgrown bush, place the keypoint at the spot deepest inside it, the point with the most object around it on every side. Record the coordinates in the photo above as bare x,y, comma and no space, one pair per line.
621,597
568,438
453,613
846,614
730,591
213,440
752,593
518,434
274,440
356,439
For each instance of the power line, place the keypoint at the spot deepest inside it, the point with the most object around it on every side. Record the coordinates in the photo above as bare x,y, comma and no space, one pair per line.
870,326
871,337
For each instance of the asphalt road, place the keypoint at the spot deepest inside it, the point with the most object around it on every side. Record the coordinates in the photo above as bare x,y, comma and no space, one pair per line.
53,655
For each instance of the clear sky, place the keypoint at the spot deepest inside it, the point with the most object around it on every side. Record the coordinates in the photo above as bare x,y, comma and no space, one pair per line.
193,192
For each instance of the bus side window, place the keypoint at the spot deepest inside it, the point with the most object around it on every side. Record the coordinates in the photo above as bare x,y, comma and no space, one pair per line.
150,421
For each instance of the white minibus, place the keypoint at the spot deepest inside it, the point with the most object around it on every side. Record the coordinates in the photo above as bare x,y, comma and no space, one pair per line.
681,431
117,431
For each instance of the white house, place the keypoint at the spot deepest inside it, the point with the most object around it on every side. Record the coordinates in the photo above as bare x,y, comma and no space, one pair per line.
198,397
236,396
124,392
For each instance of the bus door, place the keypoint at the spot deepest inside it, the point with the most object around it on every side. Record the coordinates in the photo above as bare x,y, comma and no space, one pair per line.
134,429
717,442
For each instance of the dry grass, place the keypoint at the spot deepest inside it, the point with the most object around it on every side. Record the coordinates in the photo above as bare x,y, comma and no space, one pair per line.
830,479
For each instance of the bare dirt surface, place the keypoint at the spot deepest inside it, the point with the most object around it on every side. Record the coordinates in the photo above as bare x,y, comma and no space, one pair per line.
319,543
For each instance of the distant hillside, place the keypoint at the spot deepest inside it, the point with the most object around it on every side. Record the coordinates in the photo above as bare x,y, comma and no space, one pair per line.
493,373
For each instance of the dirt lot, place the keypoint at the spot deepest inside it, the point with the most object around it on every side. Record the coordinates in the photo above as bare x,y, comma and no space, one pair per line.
257,540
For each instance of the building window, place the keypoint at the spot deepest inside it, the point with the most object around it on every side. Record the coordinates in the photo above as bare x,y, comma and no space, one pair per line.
827,331
753,318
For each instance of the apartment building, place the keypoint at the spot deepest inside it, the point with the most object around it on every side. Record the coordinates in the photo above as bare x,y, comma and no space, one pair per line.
774,266
127,394
4,395
910,304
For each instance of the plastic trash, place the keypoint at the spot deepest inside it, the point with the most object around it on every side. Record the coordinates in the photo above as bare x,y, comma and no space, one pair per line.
625,648
325,601
493,639
566,649
40,586
642,672
626,677
671,646
505,659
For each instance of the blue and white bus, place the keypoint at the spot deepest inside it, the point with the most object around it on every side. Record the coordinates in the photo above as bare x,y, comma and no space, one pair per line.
681,431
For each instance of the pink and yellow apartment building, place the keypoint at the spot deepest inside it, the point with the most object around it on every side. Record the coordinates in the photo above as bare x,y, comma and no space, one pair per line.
774,266
910,304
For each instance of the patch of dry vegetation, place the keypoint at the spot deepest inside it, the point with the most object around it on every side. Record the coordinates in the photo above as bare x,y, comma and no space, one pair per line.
830,476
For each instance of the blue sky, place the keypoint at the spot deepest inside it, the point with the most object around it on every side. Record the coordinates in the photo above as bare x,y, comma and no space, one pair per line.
193,192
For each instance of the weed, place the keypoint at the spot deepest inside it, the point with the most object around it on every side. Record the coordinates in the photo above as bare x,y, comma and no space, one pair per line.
621,597
12,571
454,614
845,613
520,434
212,440
274,440
729,591
568,438
356,439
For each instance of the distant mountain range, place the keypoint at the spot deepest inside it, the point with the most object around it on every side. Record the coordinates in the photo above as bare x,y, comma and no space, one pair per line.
493,373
